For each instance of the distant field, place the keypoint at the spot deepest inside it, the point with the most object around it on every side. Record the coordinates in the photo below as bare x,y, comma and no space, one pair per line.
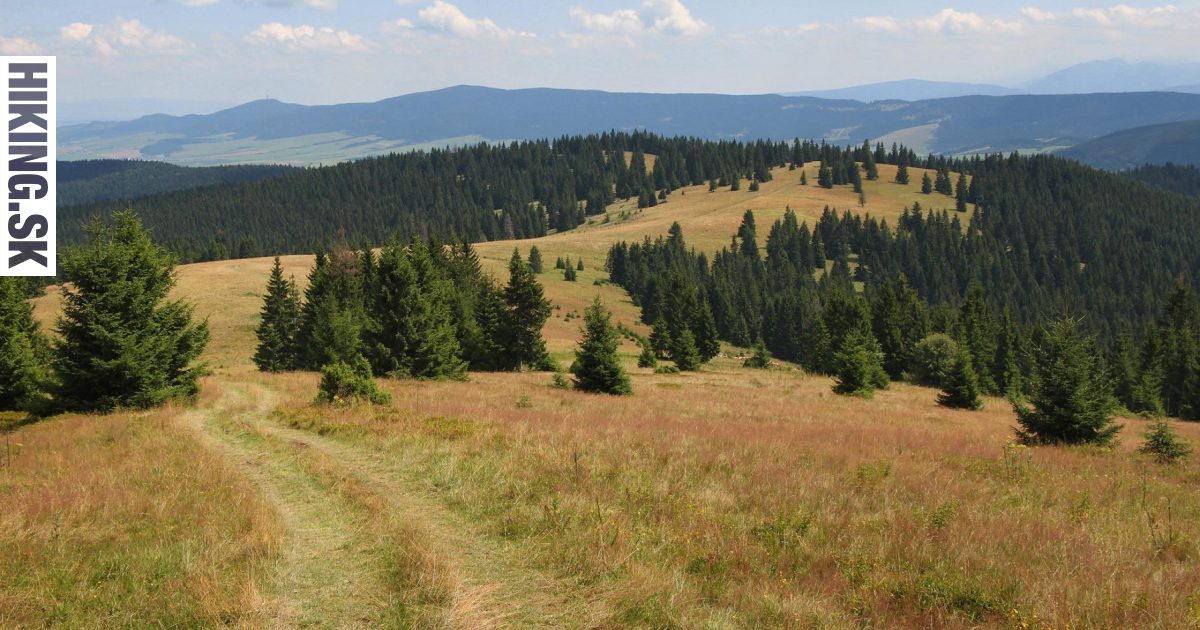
308,150
724,499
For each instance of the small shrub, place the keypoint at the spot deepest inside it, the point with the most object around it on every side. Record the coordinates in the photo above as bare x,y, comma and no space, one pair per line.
1164,445
560,381
523,402
932,358
342,384
666,369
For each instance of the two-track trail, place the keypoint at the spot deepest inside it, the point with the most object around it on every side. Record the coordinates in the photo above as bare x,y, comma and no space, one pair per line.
366,547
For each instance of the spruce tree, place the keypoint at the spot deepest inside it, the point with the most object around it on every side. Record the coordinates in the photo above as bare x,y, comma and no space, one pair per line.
527,310
121,342
760,359
859,366
902,174
597,368
24,351
803,178
960,194
684,352
926,185
1163,443
960,386
1070,391
559,264
535,259
569,274
409,331
824,176
660,338
579,265
704,328
647,359
280,322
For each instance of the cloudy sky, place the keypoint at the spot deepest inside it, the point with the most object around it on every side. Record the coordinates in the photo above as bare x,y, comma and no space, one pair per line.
327,51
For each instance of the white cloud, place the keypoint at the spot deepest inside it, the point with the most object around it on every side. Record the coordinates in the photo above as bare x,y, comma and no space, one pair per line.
442,15
656,16
877,24
122,35
1037,15
305,38
949,20
945,21
623,21
1124,15
19,46
672,17
76,31
325,5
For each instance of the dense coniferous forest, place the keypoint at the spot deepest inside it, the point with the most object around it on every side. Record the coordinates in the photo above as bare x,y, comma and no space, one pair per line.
1043,235
919,331
479,193
86,181
1184,180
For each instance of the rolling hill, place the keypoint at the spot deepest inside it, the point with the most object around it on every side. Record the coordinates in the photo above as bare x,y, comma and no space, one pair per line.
269,131
1177,143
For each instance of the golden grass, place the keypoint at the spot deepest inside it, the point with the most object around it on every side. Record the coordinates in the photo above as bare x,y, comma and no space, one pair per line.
125,521
731,498
229,293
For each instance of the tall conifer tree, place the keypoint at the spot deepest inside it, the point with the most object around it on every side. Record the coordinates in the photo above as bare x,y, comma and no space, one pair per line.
121,342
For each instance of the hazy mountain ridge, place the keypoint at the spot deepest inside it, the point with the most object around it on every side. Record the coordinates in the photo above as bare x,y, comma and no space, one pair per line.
961,124
1177,143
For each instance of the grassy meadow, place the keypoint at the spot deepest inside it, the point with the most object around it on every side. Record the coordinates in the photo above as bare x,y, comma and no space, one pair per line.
724,499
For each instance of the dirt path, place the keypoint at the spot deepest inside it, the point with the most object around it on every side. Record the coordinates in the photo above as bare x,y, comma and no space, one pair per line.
326,577
367,547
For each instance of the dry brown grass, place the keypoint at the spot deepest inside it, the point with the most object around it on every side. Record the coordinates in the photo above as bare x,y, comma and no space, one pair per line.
737,499
125,521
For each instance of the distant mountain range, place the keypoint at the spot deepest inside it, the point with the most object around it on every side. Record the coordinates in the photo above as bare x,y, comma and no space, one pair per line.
131,109
909,90
271,131
1178,143
1112,75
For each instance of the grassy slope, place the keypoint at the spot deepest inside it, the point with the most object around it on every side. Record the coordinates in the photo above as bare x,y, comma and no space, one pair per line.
723,499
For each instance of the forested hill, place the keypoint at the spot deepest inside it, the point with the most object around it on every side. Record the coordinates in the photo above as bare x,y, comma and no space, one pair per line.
1177,143
85,181
1184,180
479,193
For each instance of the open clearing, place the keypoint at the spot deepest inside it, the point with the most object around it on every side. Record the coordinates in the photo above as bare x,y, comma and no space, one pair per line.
728,498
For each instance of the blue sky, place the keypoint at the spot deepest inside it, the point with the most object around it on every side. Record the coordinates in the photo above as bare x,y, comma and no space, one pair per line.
326,51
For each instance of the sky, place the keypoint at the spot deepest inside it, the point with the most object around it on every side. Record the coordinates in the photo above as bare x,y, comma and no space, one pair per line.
333,51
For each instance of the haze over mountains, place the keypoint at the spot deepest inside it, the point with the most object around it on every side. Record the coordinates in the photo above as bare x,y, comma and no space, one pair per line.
1108,76
271,131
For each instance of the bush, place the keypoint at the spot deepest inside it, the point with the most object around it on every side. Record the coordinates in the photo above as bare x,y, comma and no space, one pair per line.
667,369
932,358
343,384
761,359
1164,445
